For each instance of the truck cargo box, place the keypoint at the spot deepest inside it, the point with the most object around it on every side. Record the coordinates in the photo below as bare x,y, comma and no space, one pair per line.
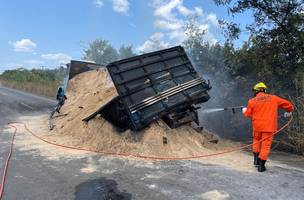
161,84
78,66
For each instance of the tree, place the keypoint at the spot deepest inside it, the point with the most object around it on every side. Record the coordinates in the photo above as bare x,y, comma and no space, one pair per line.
277,33
195,34
126,52
274,52
101,52
208,57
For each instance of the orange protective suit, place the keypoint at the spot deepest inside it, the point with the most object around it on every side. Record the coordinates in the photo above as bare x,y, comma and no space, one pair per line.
263,110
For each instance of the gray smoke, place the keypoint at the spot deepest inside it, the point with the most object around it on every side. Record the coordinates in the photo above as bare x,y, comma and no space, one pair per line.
226,92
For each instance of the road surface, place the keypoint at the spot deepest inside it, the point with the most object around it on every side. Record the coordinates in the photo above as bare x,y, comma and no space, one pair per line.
31,176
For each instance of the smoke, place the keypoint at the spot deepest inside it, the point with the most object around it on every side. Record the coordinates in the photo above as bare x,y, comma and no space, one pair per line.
227,91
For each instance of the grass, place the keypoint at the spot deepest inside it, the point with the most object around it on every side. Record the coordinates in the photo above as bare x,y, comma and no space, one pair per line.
47,89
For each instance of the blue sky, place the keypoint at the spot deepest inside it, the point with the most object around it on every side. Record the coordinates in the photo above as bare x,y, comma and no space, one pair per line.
49,33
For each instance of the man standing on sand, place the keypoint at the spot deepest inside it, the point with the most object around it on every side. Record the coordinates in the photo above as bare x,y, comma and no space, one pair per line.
263,110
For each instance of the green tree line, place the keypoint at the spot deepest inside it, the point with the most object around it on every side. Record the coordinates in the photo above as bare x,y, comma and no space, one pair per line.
102,52
273,54
39,81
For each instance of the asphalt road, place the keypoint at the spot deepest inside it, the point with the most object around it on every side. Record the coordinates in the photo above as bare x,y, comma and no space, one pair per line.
34,177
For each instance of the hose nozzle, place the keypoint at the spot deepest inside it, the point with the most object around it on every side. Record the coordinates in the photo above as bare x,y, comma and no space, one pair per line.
234,109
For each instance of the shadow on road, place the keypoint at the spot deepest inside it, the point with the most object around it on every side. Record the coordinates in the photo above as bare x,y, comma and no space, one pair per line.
100,189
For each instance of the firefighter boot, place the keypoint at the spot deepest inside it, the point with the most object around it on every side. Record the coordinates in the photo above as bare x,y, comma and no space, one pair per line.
256,159
261,166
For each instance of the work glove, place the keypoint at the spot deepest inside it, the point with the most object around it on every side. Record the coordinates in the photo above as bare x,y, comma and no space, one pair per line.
244,109
287,114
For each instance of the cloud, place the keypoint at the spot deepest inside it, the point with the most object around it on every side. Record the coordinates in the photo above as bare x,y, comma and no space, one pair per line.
204,27
155,42
164,24
24,45
213,41
301,9
59,58
213,19
34,62
171,16
157,36
121,6
187,12
184,10
199,11
98,3
177,36
164,8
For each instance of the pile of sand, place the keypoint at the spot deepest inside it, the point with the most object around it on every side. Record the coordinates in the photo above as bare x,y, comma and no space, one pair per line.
89,91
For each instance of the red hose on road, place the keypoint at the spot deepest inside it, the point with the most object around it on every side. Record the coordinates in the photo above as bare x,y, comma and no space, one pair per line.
118,154
4,173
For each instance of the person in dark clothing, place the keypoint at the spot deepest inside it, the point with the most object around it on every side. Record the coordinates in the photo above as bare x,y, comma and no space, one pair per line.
60,98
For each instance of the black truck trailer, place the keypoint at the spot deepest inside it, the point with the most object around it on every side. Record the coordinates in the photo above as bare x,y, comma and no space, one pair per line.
158,85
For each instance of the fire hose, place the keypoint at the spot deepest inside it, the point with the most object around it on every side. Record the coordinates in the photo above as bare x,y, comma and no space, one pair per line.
12,125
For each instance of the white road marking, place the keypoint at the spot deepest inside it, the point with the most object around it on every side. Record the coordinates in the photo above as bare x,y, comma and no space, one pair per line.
30,107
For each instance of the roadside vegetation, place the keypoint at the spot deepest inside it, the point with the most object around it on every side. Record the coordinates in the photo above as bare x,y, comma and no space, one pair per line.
273,54
38,81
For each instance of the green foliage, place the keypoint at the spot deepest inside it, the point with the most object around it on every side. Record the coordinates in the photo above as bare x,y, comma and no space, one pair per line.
194,33
104,53
39,81
277,28
126,52
208,58
273,54
101,52
35,75
275,50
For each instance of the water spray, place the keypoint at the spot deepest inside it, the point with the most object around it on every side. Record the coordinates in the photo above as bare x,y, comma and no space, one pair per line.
233,109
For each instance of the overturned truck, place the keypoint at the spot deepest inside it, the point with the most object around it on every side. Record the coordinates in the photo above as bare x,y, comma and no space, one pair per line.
158,85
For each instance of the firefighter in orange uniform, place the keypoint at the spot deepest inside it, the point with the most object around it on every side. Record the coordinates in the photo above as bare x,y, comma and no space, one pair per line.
263,110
